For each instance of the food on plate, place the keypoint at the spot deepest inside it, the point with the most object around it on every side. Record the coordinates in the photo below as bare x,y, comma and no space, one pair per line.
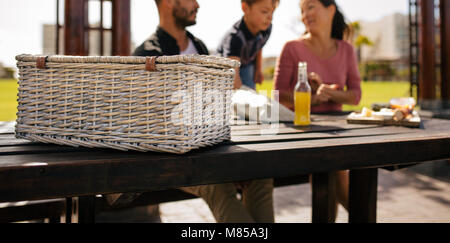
399,112
406,105
385,114
366,112
398,115
379,106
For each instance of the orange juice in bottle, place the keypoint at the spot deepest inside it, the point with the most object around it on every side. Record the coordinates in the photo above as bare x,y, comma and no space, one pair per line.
302,97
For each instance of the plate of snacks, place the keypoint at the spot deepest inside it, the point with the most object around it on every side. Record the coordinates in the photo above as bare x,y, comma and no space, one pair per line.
399,112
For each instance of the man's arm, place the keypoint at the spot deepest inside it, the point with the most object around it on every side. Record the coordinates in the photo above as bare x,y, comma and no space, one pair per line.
259,76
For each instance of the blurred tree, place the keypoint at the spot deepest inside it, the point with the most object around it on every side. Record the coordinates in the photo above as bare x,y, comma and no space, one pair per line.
357,39
2,71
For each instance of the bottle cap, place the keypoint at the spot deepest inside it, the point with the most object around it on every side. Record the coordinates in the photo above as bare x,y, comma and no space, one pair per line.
302,64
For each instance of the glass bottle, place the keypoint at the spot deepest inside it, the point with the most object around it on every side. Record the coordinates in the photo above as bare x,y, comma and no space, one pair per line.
302,97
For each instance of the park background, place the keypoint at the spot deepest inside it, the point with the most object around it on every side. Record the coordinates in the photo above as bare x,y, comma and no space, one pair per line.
415,194
381,39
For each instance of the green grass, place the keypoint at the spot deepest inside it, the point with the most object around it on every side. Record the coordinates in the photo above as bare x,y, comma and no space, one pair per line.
8,99
379,92
372,92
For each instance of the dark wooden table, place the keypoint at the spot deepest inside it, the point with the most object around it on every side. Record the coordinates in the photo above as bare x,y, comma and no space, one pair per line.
34,171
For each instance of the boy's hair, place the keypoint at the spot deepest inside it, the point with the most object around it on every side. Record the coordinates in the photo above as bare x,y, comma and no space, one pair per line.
157,2
251,2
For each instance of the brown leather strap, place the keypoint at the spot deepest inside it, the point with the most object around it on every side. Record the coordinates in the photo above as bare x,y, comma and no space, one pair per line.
150,64
40,62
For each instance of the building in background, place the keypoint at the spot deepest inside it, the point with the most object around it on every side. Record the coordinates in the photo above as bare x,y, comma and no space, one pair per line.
388,56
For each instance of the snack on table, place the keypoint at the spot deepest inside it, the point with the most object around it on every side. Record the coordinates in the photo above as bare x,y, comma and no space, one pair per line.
386,113
406,105
398,115
399,112
380,106
366,112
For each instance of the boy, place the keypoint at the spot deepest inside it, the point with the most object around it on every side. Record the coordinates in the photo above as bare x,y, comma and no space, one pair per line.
245,40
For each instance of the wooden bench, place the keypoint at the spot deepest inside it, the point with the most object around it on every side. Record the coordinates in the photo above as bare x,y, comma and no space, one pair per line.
33,210
55,209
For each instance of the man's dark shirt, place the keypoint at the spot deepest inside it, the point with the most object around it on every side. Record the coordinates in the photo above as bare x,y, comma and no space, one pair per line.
240,42
162,43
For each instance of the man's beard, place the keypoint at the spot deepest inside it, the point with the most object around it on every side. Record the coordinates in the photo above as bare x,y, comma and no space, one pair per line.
182,15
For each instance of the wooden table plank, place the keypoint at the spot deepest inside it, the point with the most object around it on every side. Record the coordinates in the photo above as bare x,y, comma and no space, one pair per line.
376,140
261,147
109,172
11,145
324,126
16,146
222,150
17,142
38,148
251,135
241,139
291,129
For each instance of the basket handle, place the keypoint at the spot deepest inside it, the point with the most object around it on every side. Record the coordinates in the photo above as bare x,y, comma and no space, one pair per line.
150,64
40,62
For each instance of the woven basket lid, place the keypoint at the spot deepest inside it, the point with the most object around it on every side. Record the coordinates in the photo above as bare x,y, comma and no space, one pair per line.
187,59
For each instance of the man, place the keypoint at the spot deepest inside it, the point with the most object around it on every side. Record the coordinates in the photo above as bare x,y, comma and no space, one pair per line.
171,36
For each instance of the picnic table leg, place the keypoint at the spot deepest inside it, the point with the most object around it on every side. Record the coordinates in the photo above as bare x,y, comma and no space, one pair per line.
69,210
363,196
86,209
323,197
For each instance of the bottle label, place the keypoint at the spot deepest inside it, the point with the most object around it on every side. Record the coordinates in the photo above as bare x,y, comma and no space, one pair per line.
302,108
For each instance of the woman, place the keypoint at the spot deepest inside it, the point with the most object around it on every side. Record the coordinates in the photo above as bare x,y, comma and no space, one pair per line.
332,67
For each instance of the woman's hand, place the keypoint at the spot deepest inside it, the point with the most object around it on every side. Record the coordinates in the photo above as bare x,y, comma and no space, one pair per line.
318,89
339,96
314,81
324,93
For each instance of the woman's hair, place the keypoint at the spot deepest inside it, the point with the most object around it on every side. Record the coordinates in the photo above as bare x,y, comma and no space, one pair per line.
339,29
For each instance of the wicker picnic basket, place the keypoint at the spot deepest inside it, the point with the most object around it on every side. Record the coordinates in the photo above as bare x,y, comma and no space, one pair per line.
165,104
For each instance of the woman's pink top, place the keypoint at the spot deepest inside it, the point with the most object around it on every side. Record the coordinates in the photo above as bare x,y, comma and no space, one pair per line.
340,69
